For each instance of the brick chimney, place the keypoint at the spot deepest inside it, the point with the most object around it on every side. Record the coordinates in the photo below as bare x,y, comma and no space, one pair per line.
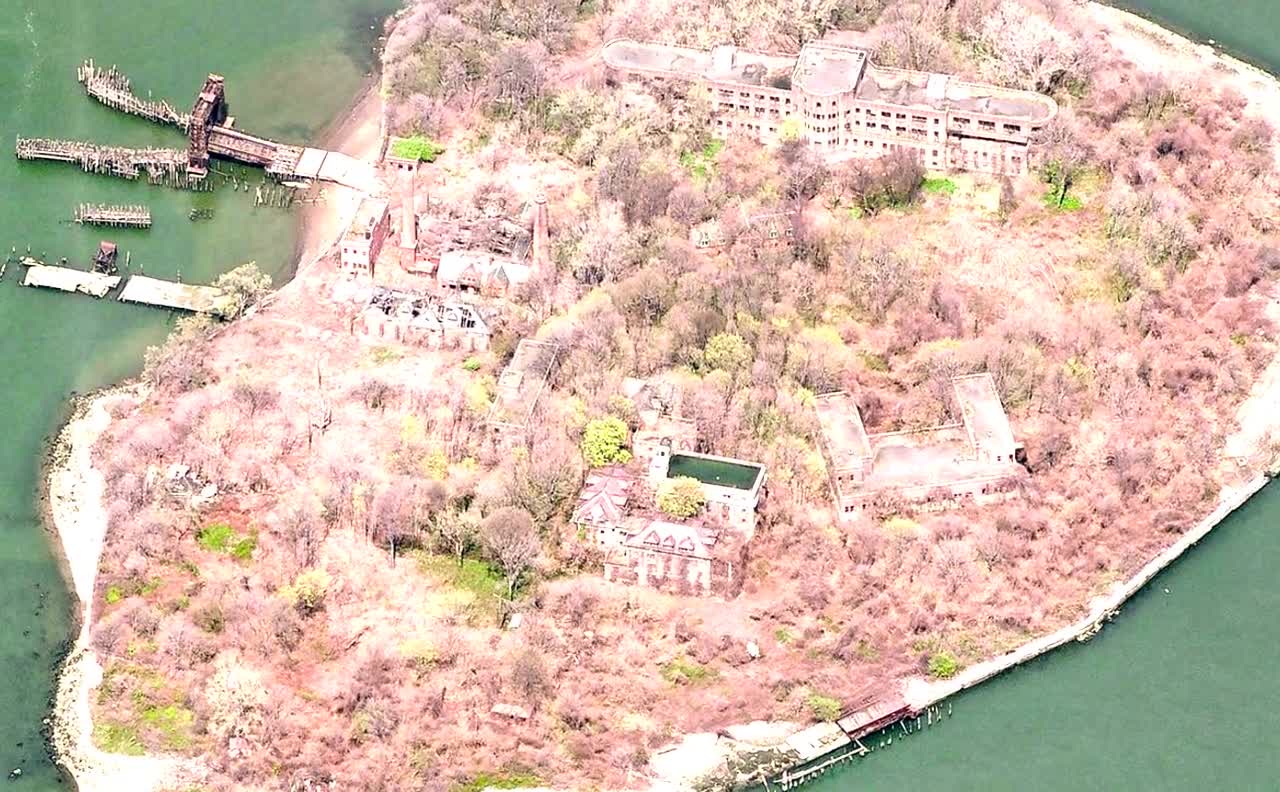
541,236
408,213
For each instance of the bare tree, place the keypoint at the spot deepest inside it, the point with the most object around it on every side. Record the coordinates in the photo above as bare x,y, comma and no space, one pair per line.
456,531
512,539
529,675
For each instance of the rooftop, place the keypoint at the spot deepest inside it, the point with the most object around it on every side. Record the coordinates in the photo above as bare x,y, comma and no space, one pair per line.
522,382
716,471
688,539
846,437
724,63
829,69
368,215
984,415
425,311
944,92
604,497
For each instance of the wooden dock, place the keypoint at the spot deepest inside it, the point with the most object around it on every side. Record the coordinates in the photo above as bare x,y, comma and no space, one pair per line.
116,215
114,90
177,296
162,166
70,280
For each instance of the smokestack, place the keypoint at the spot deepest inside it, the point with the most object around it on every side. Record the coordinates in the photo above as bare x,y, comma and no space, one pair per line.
541,235
408,215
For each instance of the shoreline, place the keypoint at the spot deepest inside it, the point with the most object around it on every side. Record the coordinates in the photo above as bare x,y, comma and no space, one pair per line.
1154,48
71,505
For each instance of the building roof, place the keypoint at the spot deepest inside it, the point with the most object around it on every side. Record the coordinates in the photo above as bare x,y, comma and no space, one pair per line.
370,212
480,268
426,312
603,499
944,92
696,541
984,415
724,63
828,69
522,382
842,429
825,69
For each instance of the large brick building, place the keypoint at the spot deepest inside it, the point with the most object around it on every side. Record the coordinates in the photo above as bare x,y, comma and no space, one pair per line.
840,103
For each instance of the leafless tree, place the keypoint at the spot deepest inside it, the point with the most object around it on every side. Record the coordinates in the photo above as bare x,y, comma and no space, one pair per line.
512,540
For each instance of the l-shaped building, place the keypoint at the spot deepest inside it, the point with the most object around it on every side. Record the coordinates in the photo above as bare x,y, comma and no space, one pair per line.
841,103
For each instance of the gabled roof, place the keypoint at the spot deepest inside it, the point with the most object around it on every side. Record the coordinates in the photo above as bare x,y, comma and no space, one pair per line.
603,499
676,538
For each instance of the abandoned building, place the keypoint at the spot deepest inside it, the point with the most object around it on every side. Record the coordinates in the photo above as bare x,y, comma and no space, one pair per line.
490,254
976,459
520,386
686,558
423,320
834,98
362,243
602,513
732,487
761,230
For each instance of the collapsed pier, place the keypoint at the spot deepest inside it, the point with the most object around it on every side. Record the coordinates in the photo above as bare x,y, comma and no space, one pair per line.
210,133
114,215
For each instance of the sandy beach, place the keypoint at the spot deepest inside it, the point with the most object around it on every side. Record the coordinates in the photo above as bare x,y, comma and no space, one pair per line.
77,510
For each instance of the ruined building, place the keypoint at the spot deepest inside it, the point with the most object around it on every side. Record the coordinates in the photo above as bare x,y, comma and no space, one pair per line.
423,320
833,97
974,460
362,243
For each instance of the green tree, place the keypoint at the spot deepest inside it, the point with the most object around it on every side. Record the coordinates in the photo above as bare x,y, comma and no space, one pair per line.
942,665
681,496
604,441
242,287
727,352
824,708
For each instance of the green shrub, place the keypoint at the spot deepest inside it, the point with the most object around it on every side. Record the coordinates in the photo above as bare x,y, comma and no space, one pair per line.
216,537
243,549
417,147
824,708
683,671
308,590
603,442
114,594
939,186
727,352
472,364
681,496
942,665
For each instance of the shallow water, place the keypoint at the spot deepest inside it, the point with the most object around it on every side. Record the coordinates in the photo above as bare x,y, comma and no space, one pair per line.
290,67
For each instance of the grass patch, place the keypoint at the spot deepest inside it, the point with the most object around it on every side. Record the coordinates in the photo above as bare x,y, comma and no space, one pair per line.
417,147
824,708
943,665
701,164
382,354
117,738
1071,203
783,636
873,362
504,779
683,671
474,589
221,538
173,723
938,186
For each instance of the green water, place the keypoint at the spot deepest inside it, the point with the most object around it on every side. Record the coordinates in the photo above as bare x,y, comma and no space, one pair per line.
714,471
1246,28
290,67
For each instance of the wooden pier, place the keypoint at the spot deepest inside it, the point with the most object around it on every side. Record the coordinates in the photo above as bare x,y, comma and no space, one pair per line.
70,280
116,215
114,90
177,296
162,166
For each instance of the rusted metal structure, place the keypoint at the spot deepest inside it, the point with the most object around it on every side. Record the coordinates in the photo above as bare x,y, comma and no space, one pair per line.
209,110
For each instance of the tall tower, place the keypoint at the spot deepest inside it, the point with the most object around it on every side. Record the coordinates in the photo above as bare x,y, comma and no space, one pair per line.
408,217
541,235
